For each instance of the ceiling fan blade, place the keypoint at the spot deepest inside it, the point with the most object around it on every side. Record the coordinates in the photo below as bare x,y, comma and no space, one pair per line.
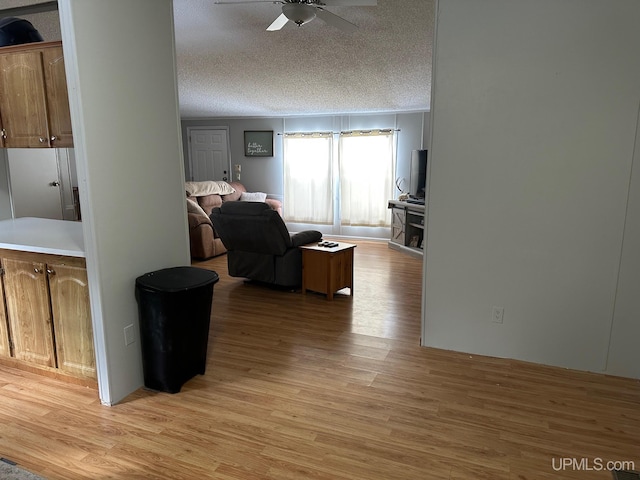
336,21
350,3
278,23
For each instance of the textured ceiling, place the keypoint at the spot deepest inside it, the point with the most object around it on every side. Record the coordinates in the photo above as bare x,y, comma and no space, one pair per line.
230,66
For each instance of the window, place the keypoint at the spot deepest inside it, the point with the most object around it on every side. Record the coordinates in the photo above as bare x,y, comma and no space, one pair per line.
356,176
308,178
366,178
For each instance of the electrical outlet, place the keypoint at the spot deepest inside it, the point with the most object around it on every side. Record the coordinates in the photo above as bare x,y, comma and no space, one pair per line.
497,314
129,335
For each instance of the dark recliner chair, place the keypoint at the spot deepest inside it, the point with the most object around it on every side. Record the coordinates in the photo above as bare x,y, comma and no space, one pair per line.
259,246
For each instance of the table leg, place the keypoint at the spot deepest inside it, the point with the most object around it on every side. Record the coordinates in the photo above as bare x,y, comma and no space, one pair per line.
351,272
304,287
330,277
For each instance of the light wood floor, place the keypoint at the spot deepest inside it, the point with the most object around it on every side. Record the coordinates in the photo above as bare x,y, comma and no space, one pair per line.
301,388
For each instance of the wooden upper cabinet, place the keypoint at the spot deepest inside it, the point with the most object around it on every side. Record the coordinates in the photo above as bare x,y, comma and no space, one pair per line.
34,102
60,134
27,298
23,101
72,319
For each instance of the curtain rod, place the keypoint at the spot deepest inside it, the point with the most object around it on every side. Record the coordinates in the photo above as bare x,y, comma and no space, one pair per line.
344,131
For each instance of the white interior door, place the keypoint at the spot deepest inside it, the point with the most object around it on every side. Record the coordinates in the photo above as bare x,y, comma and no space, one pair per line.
209,154
34,182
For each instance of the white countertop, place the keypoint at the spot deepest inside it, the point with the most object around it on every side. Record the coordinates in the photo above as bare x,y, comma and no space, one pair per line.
42,235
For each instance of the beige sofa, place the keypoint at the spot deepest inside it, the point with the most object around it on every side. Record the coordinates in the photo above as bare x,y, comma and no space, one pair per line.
203,239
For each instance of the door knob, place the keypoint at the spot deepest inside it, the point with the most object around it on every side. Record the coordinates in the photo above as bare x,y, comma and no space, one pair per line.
55,183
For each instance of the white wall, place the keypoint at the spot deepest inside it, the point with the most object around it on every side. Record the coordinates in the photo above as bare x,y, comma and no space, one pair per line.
68,179
120,63
31,170
5,198
265,174
624,354
534,122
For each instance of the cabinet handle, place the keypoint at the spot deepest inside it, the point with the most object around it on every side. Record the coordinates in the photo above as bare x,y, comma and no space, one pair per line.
42,140
53,138
37,270
4,133
51,271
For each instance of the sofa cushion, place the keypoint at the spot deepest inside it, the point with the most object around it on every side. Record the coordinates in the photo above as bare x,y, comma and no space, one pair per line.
209,202
193,207
196,220
209,187
235,196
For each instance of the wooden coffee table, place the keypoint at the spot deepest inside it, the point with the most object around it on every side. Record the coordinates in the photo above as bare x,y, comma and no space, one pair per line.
327,269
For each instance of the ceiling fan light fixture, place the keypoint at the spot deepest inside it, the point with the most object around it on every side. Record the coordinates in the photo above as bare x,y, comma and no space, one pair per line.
299,13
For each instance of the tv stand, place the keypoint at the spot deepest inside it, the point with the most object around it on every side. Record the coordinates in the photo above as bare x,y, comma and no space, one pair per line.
407,227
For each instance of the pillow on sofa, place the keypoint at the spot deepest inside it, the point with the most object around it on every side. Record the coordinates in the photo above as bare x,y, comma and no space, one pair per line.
253,197
193,207
235,196
209,187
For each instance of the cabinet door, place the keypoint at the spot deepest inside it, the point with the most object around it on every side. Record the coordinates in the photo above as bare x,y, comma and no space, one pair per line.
27,298
23,101
72,319
5,347
57,98
397,225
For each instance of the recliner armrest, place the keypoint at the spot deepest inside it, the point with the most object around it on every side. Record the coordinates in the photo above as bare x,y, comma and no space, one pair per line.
305,237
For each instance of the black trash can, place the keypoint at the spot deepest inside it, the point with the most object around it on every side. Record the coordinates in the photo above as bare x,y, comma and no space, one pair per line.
174,306
16,31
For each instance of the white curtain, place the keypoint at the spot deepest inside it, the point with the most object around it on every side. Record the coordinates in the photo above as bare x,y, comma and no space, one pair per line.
367,163
308,178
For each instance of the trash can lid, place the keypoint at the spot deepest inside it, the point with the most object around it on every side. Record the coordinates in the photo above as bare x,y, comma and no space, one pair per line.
175,279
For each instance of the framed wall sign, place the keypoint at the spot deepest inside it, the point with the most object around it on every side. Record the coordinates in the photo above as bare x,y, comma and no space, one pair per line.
258,143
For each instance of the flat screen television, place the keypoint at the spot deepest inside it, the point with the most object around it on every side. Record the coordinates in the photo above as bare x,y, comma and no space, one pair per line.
418,174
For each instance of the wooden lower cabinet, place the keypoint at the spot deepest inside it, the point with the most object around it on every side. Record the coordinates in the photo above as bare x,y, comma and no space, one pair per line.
27,299
72,319
48,312
5,348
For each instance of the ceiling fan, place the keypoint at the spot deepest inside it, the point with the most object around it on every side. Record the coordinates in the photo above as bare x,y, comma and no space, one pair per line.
301,12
